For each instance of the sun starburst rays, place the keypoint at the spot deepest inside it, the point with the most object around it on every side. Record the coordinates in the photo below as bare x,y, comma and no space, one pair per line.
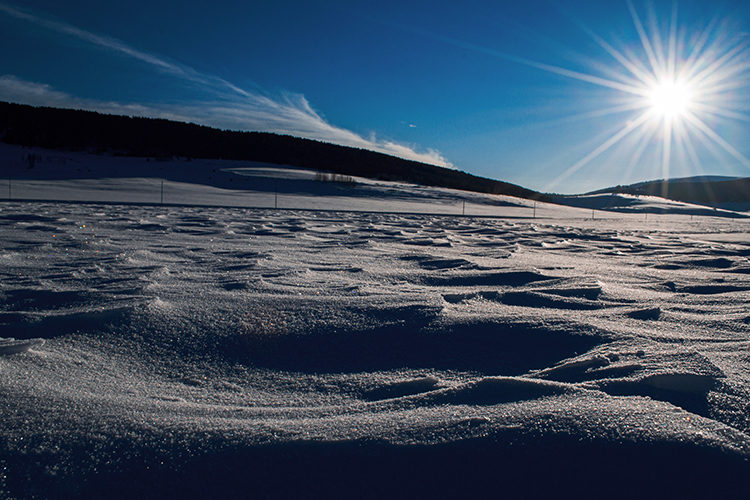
677,85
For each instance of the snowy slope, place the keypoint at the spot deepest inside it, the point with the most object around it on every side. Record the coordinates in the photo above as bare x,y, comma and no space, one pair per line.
75,176
312,352
648,205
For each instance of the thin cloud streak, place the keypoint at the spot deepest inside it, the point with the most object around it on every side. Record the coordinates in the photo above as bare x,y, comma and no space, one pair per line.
479,49
232,108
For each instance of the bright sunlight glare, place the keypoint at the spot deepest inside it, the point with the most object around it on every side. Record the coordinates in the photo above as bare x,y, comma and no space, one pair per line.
678,89
670,99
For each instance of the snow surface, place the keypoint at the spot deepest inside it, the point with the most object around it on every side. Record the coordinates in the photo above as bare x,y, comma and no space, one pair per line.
359,342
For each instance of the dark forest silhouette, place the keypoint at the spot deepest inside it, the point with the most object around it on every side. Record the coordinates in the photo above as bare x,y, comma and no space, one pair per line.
693,190
77,130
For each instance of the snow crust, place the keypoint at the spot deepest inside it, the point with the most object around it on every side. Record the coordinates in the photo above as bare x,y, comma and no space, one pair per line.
401,350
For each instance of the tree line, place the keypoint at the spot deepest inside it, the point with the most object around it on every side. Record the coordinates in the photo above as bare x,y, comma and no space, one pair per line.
78,130
700,191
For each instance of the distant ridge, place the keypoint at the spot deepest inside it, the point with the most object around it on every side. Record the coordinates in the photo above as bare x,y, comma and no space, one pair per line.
704,190
78,130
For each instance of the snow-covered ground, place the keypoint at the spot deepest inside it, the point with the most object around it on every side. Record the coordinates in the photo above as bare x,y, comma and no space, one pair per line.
359,342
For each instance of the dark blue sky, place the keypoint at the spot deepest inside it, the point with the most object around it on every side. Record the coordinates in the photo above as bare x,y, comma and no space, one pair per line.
555,96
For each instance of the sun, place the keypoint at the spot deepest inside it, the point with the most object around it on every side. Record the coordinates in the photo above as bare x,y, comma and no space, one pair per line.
670,99
681,88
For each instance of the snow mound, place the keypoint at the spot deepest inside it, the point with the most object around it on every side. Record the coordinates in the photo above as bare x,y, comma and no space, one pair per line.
13,346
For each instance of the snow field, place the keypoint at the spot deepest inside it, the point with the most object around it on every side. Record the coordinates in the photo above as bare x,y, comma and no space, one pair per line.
192,351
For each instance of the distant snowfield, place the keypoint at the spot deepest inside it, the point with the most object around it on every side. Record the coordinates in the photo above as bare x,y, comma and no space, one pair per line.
80,177
366,341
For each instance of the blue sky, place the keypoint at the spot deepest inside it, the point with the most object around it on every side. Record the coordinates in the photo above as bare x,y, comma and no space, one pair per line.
555,96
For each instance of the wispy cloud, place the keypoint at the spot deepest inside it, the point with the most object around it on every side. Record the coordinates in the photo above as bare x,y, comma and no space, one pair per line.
230,107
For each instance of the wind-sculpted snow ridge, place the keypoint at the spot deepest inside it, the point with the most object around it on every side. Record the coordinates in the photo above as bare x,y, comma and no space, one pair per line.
9,345
178,352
